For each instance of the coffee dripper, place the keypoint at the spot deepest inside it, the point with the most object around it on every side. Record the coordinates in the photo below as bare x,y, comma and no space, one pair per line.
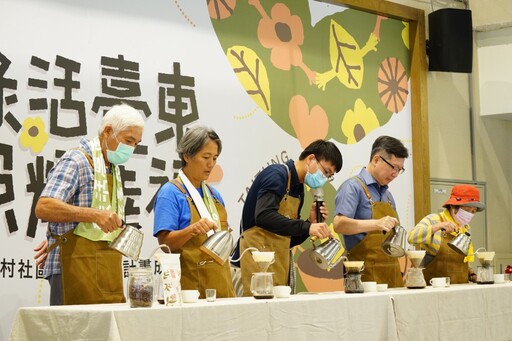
415,278
262,283
485,271
263,258
353,282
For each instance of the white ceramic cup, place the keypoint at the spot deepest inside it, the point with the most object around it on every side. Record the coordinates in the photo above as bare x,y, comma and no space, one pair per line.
189,296
282,291
440,282
211,295
382,287
370,286
499,278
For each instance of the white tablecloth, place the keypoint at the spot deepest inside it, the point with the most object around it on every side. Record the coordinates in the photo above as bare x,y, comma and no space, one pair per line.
301,317
460,312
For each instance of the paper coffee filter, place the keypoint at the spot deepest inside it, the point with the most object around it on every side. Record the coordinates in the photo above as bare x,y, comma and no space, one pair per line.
416,254
486,256
263,256
353,265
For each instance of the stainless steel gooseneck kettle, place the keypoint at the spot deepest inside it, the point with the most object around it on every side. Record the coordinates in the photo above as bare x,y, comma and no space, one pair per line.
395,244
129,241
324,254
461,243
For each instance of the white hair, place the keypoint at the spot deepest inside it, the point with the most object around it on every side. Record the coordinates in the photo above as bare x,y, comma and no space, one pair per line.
120,117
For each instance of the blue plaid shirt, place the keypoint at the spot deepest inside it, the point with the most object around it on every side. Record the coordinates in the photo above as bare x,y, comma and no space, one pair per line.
71,180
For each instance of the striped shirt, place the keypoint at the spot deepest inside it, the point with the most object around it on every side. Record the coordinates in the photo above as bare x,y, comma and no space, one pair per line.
71,180
423,237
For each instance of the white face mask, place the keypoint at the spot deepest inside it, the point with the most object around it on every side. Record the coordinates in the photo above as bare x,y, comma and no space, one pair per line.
463,217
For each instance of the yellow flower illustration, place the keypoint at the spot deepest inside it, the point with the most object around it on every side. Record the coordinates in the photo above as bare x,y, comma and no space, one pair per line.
33,135
359,122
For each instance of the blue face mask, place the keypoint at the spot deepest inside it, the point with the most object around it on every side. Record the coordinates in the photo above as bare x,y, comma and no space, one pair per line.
121,154
315,180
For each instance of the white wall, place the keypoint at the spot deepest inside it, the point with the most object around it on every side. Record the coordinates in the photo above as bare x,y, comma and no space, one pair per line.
495,73
455,98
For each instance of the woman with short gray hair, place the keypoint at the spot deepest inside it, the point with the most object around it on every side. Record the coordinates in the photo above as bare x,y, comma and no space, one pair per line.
194,140
187,209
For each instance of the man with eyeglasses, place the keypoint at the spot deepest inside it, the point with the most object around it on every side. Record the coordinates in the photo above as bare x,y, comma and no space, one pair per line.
271,213
365,211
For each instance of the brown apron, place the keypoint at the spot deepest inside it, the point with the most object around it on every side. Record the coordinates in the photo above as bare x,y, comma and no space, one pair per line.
378,266
265,240
198,270
447,263
91,271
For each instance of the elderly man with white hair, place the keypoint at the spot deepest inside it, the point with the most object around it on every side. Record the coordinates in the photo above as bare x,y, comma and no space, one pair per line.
83,204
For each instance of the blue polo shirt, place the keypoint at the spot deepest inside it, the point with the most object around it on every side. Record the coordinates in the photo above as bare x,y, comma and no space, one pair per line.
351,201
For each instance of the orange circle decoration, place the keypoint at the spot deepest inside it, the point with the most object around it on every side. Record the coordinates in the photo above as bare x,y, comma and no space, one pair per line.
221,9
392,84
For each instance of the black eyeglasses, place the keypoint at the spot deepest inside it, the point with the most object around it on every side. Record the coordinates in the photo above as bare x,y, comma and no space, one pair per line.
395,168
324,172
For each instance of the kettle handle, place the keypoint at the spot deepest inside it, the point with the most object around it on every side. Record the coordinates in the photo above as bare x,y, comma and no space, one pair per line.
124,224
313,238
393,229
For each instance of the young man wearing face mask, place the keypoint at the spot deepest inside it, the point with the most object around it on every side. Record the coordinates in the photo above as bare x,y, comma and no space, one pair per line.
436,230
83,204
271,213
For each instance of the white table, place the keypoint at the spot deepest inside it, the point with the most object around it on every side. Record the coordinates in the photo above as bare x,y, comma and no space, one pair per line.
460,312
301,317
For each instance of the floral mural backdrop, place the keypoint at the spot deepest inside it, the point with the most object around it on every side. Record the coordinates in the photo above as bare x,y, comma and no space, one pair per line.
338,76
